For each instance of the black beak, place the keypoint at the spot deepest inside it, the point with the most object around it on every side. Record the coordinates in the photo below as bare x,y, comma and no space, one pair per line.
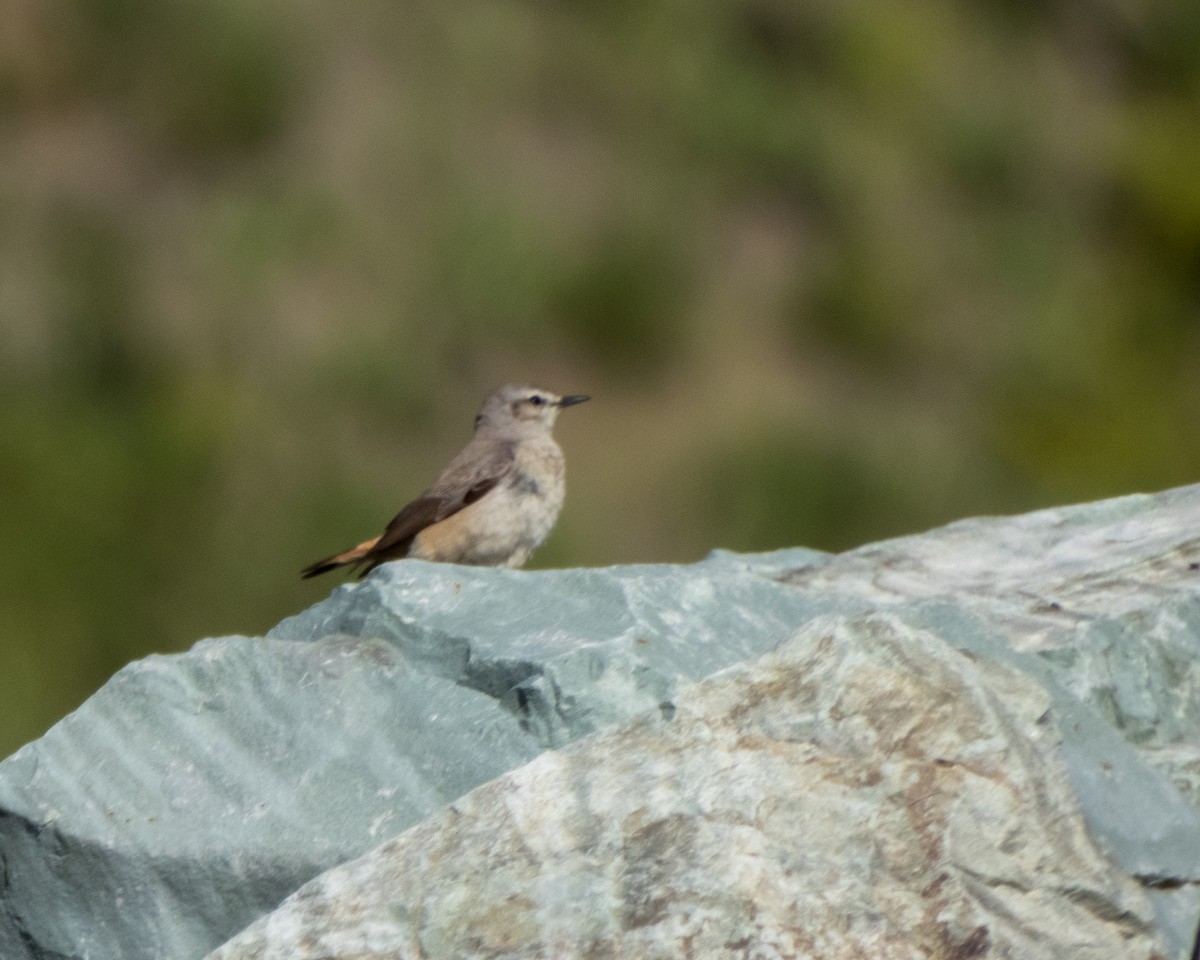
571,401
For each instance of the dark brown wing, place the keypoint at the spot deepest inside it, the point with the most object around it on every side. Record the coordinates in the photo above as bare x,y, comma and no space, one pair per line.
405,525
470,475
480,466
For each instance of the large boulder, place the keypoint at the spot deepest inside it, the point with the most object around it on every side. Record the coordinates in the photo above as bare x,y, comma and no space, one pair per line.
865,791
1046,668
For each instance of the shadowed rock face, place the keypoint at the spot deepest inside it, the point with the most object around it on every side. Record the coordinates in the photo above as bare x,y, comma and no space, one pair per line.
980,741
864,791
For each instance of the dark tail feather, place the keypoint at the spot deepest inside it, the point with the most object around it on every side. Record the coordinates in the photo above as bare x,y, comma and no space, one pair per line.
354,556
320,567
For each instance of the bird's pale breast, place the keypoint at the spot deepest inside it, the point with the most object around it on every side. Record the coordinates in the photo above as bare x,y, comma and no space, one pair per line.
507,524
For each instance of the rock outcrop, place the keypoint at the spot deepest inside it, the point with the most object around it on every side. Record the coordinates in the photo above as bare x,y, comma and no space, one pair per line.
980,741
865,791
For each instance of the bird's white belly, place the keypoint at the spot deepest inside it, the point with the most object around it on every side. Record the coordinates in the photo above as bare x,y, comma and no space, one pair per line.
514,526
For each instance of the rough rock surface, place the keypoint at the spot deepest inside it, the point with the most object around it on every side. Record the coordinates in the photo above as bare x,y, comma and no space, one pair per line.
1107,594
569,651
866,791
194,792
1101,603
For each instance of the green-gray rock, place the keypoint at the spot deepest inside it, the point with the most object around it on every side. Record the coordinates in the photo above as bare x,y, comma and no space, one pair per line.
194,792
865,791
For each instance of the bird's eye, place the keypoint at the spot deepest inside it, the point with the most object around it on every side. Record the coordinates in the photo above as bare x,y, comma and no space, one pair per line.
537,400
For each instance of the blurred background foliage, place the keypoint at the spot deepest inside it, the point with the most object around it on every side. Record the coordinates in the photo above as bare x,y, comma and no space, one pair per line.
834,270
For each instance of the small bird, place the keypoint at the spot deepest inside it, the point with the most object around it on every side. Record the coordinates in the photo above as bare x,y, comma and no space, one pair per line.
494,503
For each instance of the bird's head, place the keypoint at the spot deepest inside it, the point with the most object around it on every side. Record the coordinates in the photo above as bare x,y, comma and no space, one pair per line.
522,409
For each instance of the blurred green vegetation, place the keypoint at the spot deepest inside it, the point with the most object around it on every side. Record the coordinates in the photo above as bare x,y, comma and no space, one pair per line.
832,271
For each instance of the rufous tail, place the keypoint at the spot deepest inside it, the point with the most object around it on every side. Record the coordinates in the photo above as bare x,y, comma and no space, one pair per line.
354,555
